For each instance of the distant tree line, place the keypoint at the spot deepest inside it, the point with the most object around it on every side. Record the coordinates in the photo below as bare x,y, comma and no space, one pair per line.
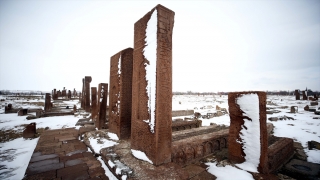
281,93
22,93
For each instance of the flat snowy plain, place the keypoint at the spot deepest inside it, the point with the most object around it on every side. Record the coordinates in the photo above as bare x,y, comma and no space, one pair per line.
15,154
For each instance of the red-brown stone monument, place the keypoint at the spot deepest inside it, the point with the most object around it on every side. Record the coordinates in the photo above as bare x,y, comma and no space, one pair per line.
102,104
94,103
47,102
247,118
83,94
304,95
152,85
120,94
87,81
296,92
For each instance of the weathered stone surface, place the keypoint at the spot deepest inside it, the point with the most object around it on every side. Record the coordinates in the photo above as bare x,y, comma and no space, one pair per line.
44,168
182,113
30,131
182,125
47,103
189,149
122,161
193,170
22,112
270,128
86,128
314,103
299,152
43,157
236,153
157,145
302,169
102,103
304,95
294,109
178,135
87,80
94,103
313,145
120,95
296,92
83,94
279,153
70,159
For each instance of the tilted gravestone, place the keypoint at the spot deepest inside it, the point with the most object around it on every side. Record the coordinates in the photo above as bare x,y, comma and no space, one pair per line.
120,93
102,104
248,137
152,85
94,103
30,131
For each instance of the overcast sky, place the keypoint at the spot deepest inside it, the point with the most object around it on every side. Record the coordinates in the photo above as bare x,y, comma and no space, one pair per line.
217,45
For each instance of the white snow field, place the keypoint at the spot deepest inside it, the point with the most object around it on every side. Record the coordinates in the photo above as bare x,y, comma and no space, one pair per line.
16,153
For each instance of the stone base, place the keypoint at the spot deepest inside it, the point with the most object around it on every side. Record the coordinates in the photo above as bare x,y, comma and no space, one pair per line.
302,169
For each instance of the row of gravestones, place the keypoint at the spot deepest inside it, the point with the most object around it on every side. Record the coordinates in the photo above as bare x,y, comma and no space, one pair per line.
62,94
304,95
140,98
98,104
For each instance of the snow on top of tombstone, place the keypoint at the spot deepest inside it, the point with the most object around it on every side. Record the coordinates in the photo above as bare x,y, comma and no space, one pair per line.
250,136
150,53
119,65
140,155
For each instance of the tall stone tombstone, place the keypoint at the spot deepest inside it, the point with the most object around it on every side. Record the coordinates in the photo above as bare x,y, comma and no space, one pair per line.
87,80
120,93
152,85
74,92
296,92
64,92
54,94
304,95
69,94
58,94
248,137
47,102
102,104
83,94
94,103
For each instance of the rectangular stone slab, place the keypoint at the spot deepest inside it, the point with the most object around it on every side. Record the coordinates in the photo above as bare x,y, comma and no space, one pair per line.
157,144
235,149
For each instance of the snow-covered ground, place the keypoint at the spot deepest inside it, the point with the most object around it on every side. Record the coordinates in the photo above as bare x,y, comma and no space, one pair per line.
303,129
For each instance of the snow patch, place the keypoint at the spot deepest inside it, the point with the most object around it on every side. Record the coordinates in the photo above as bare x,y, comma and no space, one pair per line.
106,170
15,157
150,53
97,146
140,155
113,136
228,172
250,131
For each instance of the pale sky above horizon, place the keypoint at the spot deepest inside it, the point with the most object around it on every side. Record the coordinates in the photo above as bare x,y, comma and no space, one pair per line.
217,45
